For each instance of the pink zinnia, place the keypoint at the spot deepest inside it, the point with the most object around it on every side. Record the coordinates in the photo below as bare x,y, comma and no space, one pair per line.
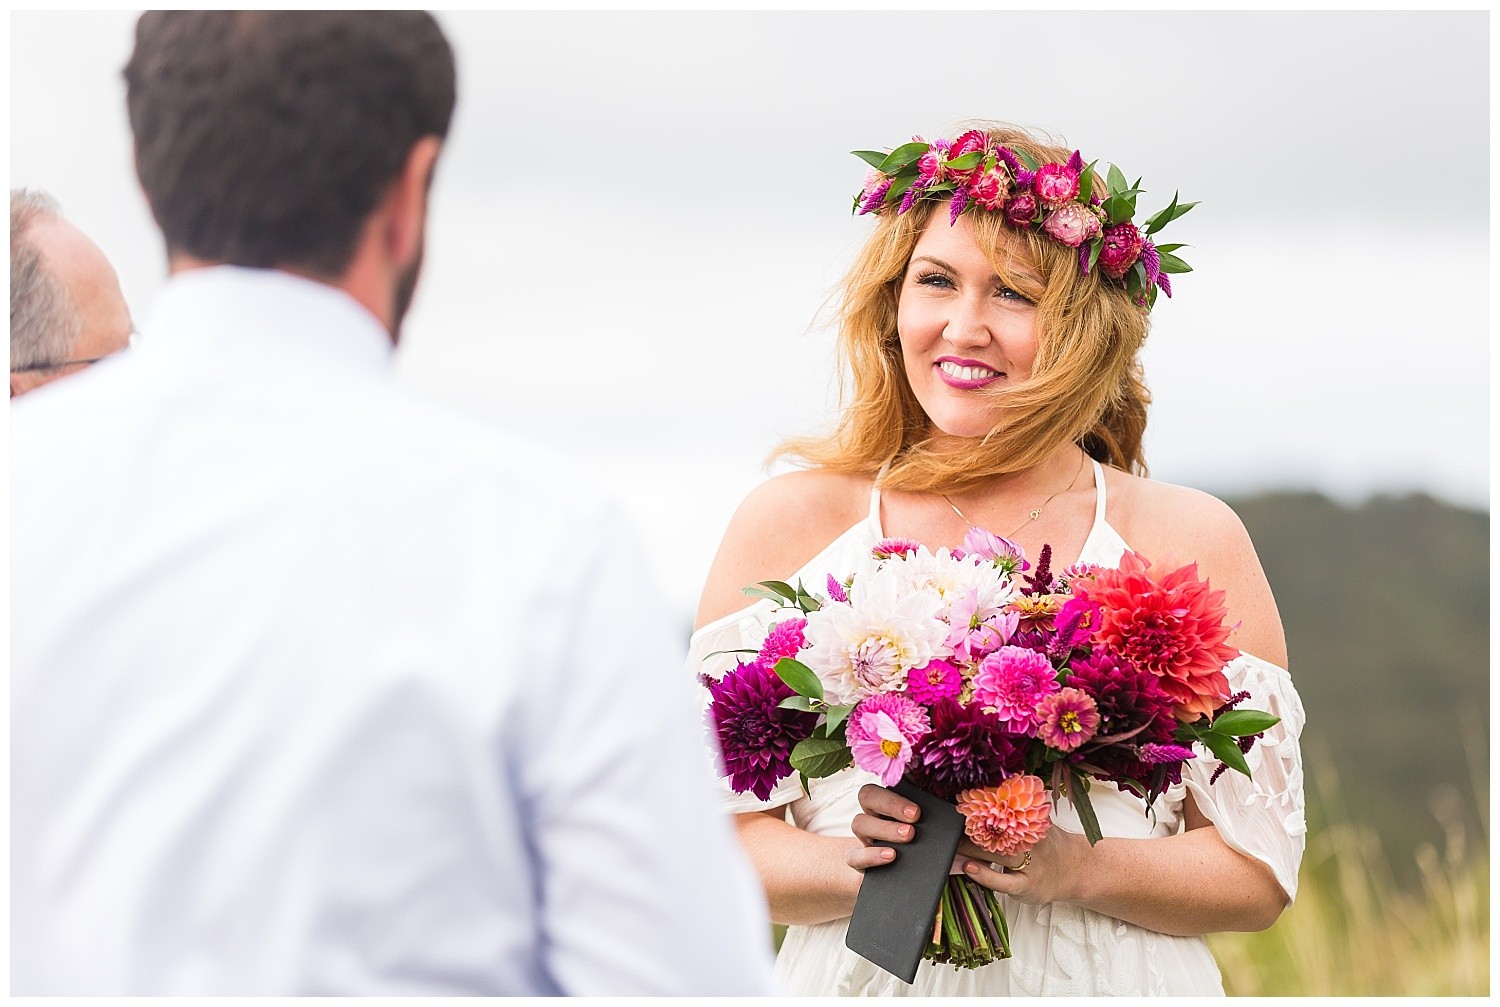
1066,719
932,682
784,640
907,715
888,548
1012,681
1007,819
1168,623
883,748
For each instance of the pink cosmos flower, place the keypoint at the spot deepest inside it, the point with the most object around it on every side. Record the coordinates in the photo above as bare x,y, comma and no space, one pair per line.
1072,224
996,548
911,718
884,750
933,681
1012,681
784,640
1066,719
1122,246
887,548
1055,185
1021,209
1007,819
989,189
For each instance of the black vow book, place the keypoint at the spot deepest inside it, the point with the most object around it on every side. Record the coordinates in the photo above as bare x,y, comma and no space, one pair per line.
892,921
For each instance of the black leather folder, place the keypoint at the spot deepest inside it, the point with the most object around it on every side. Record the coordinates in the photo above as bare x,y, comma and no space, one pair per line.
892,921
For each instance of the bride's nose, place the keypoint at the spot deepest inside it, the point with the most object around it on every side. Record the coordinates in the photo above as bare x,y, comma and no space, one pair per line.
968,324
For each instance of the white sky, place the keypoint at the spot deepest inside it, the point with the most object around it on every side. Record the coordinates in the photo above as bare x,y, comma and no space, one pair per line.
638,217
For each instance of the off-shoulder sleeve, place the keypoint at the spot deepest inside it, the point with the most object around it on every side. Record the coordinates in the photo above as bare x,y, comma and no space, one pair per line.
744,629
1261,815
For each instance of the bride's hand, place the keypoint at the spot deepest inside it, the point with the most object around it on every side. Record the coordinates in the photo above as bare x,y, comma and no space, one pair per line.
1054,861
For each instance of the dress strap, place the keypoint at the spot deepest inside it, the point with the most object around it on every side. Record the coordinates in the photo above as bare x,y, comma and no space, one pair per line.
1098,492
875,494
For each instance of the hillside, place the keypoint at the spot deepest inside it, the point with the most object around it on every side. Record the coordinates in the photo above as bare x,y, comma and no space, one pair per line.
1386,608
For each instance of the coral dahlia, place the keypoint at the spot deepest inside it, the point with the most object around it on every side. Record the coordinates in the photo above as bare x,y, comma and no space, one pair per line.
1009,818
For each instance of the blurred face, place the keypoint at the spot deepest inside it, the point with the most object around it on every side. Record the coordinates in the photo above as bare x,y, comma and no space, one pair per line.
963,331
93,290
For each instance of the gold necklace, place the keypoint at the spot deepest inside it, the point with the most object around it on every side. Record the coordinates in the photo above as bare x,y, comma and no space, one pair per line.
1032,515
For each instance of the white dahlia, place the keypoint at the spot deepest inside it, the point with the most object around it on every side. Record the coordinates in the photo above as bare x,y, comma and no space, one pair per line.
868,646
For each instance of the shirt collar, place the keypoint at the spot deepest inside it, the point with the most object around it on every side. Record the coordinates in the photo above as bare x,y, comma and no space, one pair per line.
263,317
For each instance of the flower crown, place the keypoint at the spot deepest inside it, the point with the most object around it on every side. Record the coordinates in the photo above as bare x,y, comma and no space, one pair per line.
1059,199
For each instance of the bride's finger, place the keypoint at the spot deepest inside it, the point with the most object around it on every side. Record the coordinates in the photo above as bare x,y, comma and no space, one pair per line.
879,801
993,876
863,857
868,828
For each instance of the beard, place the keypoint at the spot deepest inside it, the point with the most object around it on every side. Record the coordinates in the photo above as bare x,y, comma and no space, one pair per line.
406,289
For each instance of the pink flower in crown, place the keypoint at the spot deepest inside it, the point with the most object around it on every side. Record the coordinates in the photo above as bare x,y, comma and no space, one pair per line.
1012,681
784,640
1055,185
930,168
1122,246
875,189
933,681
989,188
1072,224
968,143
884,750
1066,719
1021,209
888,548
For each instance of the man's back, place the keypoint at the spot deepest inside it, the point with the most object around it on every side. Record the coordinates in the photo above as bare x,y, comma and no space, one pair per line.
317,688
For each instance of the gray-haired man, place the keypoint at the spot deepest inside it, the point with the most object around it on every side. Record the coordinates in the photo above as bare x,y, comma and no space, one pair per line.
66,309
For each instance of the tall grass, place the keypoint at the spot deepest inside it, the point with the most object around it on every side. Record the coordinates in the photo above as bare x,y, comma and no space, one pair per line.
1355,931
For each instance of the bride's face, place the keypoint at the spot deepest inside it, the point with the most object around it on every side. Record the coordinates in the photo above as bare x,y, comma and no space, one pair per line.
963,331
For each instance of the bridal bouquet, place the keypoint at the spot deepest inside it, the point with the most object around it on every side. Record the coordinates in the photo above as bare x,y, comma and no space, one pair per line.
991,687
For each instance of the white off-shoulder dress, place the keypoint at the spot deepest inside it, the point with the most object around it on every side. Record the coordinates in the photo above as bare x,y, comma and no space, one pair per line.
1059,949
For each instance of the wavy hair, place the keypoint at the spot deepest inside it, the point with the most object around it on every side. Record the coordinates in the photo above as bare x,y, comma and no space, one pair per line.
1086,385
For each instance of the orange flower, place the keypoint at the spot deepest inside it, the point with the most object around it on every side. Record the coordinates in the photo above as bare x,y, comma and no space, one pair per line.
1008,819
1168,623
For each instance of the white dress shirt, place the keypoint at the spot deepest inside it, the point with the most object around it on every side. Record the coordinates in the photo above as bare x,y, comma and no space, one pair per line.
319,688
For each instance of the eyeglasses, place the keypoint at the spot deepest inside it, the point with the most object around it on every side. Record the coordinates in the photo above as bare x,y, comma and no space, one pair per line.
27,368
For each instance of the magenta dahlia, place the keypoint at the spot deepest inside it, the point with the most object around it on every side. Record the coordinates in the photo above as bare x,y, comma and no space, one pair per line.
784,640
966,748
935,680
755,735
1012,681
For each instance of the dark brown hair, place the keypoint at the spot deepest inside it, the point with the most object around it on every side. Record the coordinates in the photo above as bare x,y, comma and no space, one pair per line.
265,138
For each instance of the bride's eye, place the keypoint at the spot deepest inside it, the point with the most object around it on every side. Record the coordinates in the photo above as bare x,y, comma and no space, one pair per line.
934,279
1007,294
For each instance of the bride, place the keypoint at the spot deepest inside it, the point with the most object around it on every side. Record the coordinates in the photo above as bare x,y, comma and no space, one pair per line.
995,382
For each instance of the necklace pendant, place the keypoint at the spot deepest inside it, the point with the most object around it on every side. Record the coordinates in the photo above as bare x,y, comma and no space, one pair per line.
1036,514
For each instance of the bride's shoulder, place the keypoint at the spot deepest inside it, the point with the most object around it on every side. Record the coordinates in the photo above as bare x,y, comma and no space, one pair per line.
1178,524
783,523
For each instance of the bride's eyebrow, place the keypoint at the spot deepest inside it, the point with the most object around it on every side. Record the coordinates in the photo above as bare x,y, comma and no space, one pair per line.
936,262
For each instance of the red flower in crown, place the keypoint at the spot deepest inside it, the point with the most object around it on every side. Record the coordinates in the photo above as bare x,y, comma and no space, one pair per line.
1021,209
990,187
1122,246
1055,185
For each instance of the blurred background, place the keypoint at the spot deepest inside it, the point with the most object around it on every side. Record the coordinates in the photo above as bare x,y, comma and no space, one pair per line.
639,218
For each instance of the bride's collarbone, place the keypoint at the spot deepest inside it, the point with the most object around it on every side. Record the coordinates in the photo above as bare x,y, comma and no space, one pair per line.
1065,523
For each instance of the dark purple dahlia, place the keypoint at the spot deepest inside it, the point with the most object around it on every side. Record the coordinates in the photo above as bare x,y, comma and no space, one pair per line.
755,735
967,748
1127,699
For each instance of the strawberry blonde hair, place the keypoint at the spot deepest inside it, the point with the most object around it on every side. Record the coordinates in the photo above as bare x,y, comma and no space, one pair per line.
1086,385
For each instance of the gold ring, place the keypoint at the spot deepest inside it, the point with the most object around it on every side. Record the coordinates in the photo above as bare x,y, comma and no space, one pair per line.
1021,867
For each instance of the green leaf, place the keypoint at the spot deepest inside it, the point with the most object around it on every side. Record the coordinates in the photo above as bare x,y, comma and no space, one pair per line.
739,650
797,703
1095,248
806,789
1227,752
1118,208
799,677
1078,796
871,157
1172,264
760,592
1239,723
901,157
1170,248
820,757
837,715
1025,158
1117,183
805,601
1161,217
1086,184
966,162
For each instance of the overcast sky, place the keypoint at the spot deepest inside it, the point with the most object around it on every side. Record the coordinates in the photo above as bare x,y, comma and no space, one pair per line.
638,217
